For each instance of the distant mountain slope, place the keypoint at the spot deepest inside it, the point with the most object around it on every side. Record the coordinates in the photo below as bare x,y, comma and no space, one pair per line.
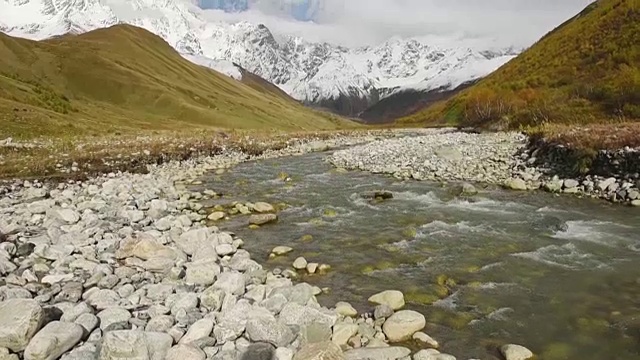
125,77
345,80
586,70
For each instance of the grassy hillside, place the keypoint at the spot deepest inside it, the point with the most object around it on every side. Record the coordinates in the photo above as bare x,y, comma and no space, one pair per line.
125,79
585,71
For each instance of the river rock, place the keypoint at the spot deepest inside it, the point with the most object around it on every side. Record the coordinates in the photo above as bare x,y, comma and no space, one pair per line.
262,219
342,332
377,194
392,298
635,203
4,354
382,312
386,353
516,352
570,184
88,322
320,351
53,340
402,325
20,319
516,184
200,329
135,345
212,298
161,323
300,263
217,215
69,216
114,318
202,272
185,352
231,282
269,330
345,309
432,354
263,207
281,250
425,339
261,351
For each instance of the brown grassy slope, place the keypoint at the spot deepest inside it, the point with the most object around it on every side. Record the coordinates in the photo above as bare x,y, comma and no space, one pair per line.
125,79
585,71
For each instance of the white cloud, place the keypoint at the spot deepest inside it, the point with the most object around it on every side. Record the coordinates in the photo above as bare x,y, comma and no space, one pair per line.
364,22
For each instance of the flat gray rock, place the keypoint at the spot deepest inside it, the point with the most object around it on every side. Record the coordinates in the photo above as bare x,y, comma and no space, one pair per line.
20,319
386,353
135,345
53,340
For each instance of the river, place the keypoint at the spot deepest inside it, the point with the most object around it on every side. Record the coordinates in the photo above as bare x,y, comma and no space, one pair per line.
557,274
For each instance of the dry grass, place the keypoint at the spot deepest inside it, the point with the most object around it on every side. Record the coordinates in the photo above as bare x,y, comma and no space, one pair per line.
52,159
591,137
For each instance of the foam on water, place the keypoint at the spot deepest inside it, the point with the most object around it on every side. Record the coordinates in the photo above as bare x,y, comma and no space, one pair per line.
429,198
438,227
598,232
566,256
487,205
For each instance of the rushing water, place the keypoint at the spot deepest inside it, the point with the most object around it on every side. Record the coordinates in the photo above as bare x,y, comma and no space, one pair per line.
559,275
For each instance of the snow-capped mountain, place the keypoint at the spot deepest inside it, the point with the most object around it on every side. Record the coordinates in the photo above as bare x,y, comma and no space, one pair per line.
316,73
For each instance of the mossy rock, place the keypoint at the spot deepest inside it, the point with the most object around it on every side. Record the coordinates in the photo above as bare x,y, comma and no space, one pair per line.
410,232
281,206
330,213
557,351
254,227
317,221
421,298
306,238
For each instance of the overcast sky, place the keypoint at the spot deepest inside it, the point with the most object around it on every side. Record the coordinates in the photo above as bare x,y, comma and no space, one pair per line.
366,22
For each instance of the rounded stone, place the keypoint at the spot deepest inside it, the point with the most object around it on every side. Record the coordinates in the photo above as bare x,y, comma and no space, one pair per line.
402,325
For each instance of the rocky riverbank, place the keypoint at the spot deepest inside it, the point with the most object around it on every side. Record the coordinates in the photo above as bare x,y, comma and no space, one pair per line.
128,266
503,159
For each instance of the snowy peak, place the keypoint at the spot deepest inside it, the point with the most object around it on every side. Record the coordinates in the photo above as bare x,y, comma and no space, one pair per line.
315,73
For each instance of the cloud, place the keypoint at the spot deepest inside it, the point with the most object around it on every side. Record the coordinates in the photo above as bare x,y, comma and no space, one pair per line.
367,22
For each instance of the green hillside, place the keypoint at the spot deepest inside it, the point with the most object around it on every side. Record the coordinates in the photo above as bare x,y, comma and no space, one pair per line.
585,71
125,79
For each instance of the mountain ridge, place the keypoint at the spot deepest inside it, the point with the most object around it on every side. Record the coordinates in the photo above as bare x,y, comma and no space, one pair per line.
587,70
124,78
314,73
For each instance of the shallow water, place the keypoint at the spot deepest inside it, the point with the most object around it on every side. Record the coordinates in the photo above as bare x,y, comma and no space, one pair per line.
559,275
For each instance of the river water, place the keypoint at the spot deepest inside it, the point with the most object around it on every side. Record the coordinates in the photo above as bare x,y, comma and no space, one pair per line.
558,274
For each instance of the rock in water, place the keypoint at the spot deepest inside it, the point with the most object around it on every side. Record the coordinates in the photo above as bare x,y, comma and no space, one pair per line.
20,319
516,352
281,250
320,351
377,194
402,325
300,263
263,207
261,219
53,340
392,298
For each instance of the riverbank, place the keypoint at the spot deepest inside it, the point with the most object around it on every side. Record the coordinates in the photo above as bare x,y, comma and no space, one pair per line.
127,265
510,160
